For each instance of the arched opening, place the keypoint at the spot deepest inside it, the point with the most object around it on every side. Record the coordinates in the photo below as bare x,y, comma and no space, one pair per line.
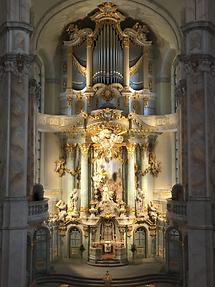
75,242
29,259
140,242
174,250
41,252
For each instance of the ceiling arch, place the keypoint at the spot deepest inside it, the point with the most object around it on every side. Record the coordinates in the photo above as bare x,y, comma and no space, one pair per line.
52,23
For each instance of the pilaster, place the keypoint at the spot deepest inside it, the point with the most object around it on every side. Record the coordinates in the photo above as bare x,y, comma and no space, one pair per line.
84,179
15,64
131,178
196,89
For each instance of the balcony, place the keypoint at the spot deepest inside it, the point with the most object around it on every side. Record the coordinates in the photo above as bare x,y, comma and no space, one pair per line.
176,210
37,211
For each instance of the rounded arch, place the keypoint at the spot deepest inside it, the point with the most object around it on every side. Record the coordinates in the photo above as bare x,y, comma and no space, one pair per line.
75,241
41,250
140,241
155,15
174,249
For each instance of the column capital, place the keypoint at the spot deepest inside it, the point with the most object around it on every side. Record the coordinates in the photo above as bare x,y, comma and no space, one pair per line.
125,42
89,42
144,147
17,64
70,147
130,148
84,148
14,25
199,25
196,63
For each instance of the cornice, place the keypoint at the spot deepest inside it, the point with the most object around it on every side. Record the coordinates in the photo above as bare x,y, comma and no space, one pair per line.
199,25
14,25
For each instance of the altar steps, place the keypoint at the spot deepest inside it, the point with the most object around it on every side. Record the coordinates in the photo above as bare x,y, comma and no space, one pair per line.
108,263
74,281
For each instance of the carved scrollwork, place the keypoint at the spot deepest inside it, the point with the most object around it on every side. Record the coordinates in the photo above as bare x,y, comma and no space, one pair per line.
107,115
108,92
107,10
138,33
75,35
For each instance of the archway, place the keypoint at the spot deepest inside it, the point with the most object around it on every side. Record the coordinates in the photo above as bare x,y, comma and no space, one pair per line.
41,250
140,242
174,250
75,241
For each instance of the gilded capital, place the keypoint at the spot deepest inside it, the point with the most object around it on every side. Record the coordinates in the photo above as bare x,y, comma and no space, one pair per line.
69,147
84,148
125,42
130,148
144,147
89,41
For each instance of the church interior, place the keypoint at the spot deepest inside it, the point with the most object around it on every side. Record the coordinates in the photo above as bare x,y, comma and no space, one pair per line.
107,141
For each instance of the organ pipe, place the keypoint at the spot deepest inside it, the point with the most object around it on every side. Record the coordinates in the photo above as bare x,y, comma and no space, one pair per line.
107,56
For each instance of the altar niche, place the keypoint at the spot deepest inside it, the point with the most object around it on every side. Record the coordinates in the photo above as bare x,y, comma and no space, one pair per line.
107,193
108,243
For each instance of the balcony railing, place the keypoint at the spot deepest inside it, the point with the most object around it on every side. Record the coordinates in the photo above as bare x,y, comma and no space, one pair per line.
37,211
177,210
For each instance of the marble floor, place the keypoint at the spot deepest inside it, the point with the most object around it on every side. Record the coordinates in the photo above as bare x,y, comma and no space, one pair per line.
82,269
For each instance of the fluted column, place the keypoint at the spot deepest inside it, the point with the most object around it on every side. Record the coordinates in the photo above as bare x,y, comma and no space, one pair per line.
131,178
84,179
89,62
126,62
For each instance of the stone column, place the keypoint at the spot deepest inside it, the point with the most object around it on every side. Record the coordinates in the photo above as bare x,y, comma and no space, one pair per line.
131,178
84,179
89,62
200,176
126,62
197,108
14,89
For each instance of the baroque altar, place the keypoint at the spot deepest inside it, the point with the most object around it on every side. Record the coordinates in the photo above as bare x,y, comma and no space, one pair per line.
107,140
